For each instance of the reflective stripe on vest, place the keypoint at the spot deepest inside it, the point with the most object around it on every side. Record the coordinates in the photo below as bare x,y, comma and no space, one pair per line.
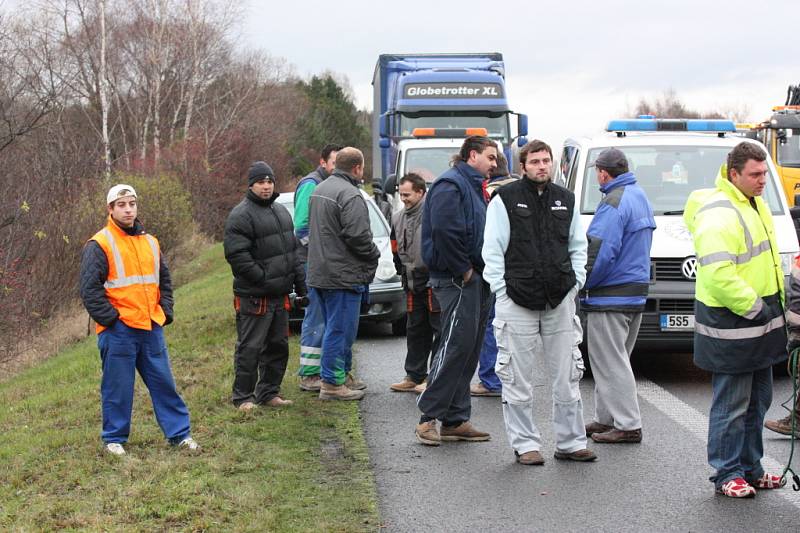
133,282
125,281
752,251
740,333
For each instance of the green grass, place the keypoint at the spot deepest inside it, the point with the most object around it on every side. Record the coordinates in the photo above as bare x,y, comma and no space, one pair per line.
300,468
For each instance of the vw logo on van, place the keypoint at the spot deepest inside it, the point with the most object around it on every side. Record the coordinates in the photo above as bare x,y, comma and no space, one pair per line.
689,268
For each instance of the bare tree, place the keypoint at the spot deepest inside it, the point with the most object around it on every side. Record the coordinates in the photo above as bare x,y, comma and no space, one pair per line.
669,106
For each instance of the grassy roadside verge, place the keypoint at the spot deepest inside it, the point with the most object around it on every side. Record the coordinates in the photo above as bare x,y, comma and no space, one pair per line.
297,469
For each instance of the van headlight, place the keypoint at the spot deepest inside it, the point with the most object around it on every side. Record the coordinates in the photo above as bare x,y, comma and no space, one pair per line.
786,263
385,271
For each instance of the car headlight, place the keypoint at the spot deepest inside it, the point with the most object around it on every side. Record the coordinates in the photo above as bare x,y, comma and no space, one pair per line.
786,263
385,271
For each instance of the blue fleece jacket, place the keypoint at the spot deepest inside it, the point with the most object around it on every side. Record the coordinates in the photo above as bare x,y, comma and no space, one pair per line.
620,237
453,221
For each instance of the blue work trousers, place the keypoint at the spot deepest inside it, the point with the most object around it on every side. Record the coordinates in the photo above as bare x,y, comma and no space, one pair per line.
340,309
488,358
123,351
738,407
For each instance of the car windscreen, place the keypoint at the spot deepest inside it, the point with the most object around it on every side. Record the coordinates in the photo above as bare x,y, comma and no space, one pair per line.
430,163
376,221
667,174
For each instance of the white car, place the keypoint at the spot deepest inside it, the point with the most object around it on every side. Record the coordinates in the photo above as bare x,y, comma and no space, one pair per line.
387,301
670,158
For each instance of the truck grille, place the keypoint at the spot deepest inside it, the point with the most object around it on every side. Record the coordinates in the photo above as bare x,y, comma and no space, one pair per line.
667,269
681,307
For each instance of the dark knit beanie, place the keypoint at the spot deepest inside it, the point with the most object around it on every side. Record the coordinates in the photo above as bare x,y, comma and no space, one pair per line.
259,171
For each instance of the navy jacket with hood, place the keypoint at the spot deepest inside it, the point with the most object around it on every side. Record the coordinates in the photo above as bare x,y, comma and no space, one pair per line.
453,221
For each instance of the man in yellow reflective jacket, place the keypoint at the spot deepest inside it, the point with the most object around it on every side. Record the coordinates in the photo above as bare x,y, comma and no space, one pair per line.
740,327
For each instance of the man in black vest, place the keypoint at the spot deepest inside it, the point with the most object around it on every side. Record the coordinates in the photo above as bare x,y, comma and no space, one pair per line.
534,249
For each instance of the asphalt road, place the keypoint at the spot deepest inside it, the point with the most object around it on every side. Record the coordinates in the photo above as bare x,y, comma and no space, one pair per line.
658,485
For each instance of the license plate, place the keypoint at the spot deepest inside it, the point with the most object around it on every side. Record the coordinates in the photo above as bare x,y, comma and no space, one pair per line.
677,322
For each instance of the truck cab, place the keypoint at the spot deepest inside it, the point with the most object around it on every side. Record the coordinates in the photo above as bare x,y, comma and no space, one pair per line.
781,135
428,153
443,91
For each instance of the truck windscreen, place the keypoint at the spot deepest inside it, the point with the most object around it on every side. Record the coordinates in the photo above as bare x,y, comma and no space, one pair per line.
495,123
430,163
789,152
667,174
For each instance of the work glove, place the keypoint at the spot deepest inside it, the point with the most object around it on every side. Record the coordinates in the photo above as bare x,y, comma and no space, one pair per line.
168,320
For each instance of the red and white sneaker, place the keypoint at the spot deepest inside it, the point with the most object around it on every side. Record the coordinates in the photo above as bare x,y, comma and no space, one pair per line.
737,488
769,481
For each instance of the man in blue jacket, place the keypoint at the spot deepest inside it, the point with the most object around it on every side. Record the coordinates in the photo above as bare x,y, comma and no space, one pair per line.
617,280
452,238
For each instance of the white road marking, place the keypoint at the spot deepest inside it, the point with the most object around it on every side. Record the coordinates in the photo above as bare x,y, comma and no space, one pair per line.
697,424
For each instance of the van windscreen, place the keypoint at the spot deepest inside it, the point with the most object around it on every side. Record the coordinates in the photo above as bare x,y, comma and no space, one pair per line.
667,174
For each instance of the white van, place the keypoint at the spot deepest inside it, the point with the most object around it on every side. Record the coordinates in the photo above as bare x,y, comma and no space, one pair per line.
670,158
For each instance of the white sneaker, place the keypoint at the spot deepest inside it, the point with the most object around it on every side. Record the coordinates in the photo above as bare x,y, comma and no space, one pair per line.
114,448
189,443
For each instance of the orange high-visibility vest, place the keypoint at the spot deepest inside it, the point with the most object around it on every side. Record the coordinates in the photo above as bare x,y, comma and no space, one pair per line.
132,286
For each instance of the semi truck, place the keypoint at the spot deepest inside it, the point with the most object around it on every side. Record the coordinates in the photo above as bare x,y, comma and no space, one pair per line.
441,91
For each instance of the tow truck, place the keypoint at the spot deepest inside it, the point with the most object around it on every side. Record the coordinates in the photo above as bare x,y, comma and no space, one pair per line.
781,136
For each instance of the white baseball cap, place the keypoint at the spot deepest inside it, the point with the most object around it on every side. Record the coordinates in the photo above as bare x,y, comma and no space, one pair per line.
119,191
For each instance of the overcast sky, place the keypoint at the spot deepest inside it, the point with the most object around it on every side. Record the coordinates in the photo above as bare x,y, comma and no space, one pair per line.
570,65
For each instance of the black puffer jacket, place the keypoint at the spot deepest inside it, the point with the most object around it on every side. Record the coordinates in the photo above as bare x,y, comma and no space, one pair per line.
261,248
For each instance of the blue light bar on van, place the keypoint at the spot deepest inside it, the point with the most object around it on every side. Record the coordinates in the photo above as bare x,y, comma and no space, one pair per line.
671,124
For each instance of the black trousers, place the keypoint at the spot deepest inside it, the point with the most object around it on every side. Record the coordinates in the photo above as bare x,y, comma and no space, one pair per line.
465,310
422,332
262,349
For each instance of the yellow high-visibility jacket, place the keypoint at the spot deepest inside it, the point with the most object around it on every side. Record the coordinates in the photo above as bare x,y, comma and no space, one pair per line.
739,319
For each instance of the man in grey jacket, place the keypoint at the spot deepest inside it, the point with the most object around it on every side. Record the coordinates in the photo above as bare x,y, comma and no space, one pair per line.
422,325
342,259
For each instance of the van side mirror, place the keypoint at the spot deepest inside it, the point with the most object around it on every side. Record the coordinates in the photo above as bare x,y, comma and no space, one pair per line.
522,141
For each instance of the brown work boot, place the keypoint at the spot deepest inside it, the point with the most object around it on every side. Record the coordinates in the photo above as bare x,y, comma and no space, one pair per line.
427,433
464,431
277,401
614,436
310,383
246,406
784,426
407,385
532,457
354,383
339,392
596,427
478,389
419,389
584,455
